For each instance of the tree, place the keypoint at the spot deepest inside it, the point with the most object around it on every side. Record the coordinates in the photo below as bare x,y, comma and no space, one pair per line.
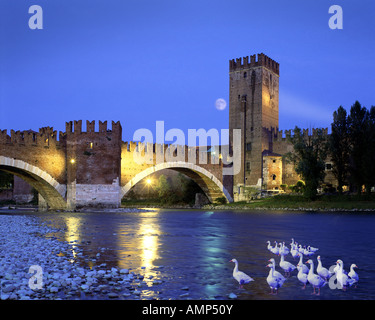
339,146
369,152
163,189
6,180
310,152
358,129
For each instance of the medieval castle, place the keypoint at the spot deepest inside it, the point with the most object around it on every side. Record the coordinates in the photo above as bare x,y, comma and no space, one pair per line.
254,108
79,168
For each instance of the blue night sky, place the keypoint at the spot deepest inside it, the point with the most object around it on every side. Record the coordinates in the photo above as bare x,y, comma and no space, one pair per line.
141,61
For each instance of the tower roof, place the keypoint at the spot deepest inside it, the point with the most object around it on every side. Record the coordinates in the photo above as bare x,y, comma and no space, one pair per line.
259,60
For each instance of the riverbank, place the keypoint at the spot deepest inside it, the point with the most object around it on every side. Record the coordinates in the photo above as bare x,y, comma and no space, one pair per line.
35,265
280,202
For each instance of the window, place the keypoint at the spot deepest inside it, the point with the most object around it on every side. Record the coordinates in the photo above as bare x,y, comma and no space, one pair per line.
328,166
274,177
274,161
248,166
248,146
91,145
245,74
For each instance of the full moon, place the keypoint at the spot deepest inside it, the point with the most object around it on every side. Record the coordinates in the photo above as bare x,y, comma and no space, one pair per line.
220,104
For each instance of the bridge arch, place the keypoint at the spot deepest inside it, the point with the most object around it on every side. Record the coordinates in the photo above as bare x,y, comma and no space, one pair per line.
211,186
53,192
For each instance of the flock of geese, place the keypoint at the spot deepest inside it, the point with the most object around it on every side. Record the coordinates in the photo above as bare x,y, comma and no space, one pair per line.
305,274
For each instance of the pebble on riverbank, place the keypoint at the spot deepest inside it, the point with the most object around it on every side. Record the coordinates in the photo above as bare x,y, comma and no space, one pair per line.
24,242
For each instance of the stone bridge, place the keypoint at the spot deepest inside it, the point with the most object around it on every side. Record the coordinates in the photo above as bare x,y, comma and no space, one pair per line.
95,168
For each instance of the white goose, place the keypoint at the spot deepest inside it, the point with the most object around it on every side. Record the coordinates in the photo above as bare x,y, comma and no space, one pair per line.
314,279
300,249
269,247
286,266
300,264
307,252
292,244
275,282
301,275
342,278
240,276
294,251
284,250
323,272
312,249
275,249
352,274
276,273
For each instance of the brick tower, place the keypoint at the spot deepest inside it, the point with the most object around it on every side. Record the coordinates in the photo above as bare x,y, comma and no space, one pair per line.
253,108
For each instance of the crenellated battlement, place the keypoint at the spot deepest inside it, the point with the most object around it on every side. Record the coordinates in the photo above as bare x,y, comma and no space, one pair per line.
284,135
75,127
45,137
48,137
259,60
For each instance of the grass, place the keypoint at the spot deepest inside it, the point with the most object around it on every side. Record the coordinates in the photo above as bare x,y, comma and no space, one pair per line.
347,202
283,201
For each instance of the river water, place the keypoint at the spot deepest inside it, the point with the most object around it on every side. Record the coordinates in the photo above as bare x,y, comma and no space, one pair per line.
184,254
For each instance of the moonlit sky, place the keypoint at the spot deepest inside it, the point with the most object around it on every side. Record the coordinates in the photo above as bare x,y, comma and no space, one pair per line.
143,61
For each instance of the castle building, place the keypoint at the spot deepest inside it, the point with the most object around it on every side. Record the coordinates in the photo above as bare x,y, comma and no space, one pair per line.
254,108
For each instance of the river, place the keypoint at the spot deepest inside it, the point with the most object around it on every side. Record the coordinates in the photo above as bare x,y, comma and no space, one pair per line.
184,254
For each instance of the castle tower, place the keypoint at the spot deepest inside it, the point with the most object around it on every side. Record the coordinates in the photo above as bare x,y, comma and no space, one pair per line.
253,108
93,164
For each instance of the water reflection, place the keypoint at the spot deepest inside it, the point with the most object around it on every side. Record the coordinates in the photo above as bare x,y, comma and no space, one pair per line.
146,242
72,234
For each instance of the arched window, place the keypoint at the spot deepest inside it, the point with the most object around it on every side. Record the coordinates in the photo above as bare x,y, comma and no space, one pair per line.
274,177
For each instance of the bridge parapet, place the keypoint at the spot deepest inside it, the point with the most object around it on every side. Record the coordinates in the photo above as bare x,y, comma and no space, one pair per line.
45,137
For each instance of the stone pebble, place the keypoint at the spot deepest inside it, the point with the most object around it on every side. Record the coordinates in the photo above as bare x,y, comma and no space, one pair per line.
25,242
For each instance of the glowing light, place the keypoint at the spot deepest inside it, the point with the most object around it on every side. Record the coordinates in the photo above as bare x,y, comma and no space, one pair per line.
149,181
72,161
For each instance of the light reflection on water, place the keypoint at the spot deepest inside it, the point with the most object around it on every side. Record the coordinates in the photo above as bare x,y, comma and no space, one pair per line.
188,251
72,234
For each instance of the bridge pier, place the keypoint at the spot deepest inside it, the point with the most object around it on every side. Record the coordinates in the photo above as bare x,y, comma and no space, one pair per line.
42,204
93,195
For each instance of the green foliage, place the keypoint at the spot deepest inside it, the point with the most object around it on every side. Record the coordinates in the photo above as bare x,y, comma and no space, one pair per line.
299,187
351,147
339,146
221,200
164,190
6,180
309,157
284,187
357,122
